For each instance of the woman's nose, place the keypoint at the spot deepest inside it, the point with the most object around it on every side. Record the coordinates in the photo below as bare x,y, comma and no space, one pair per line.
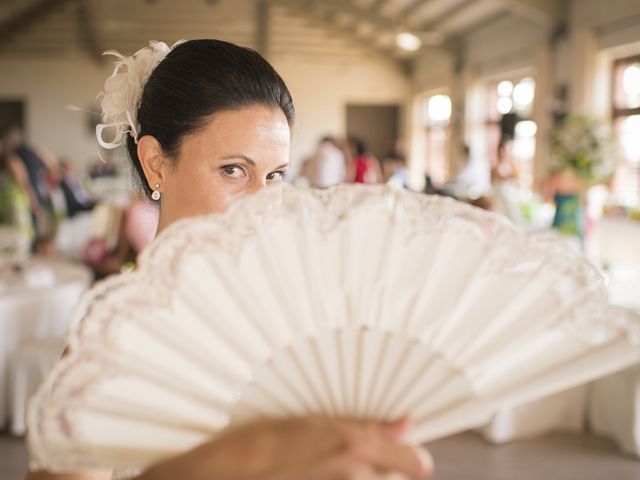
256,184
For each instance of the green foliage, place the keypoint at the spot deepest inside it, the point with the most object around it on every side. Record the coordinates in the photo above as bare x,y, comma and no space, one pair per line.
586,147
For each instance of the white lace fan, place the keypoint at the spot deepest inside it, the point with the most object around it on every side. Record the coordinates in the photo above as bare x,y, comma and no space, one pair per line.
357,301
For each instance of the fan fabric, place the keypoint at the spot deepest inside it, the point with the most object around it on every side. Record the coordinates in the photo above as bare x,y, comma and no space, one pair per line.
357,301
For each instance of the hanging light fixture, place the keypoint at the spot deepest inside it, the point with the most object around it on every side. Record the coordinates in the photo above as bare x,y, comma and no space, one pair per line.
408,41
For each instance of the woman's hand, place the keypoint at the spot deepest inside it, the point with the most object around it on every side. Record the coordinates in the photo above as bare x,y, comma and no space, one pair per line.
303,448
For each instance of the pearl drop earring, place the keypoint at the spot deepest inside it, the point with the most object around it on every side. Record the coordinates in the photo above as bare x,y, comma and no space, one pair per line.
156,193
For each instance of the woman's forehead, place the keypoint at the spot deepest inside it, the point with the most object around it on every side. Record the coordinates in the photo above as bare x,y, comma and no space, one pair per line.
257,132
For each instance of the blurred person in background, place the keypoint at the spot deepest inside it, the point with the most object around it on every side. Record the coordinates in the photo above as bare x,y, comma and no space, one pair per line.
504,163
15,202
504,173
394,169
34,162
104,167
472,184
474,178
364,167
327,166
565,188
136,227
38,172
76,198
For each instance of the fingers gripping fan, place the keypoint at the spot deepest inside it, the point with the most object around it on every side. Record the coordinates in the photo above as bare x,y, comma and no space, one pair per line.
357,301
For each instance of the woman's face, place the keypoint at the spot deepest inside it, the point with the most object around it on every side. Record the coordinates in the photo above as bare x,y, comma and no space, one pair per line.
236,153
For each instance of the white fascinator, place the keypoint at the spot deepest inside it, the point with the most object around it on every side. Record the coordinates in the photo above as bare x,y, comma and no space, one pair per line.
123,91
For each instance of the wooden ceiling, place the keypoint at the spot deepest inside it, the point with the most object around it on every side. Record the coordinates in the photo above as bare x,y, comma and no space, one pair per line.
47,26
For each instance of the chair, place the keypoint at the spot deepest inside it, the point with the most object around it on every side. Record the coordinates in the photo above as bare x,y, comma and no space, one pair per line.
614,410
562,412
31,363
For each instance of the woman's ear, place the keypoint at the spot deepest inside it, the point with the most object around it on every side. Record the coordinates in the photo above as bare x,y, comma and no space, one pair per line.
153,161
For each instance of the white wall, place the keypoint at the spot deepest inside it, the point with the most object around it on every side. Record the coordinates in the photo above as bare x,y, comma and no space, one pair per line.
432,70
46,87
600,32
599,12
321,92
324,71
507,44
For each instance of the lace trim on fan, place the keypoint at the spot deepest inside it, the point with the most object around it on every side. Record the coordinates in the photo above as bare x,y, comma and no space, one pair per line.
150,287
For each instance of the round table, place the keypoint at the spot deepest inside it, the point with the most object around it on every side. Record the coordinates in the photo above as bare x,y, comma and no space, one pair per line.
36,304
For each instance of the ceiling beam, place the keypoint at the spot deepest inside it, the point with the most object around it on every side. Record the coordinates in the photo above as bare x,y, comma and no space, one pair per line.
307,9
263,14
485,22
26,17
377,5
365,14
547,13
433,24
412,8
87,34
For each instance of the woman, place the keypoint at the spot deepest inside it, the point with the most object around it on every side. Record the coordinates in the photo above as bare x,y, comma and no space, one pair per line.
16,206
30,171
364,167
211,124
565,188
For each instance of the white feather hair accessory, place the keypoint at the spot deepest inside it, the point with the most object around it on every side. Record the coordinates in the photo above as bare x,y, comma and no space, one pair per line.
123,91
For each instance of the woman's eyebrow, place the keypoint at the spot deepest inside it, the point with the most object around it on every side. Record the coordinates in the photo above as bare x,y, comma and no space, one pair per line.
241,157
280,167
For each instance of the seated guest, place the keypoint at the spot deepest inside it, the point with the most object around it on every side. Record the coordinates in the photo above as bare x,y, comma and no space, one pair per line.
37,171
76,198
15,204
327,166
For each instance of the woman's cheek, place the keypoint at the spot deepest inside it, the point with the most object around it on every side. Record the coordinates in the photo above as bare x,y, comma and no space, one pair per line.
222,195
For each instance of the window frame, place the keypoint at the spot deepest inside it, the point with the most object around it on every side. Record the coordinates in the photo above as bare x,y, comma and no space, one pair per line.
617,112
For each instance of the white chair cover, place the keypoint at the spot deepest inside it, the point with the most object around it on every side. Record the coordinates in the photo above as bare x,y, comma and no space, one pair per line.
561,412
29,367
36,305
615,409
609,406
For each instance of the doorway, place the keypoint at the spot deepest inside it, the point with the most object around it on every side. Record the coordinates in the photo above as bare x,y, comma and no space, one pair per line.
378,126
12,113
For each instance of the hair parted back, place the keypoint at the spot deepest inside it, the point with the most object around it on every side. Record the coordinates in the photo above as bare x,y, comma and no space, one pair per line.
196,80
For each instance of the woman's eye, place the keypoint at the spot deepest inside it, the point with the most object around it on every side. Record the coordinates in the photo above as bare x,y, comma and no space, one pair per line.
233,171
276,176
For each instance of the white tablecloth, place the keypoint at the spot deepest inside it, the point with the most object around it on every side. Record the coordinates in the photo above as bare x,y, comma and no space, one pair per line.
609,406
564,411
614,404
74,234
614,409
36,304
614,241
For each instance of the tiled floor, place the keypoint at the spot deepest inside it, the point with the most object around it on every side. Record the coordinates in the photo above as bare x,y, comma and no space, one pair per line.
467,457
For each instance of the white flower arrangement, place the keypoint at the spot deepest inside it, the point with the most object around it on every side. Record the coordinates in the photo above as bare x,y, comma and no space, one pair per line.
584,146
122,93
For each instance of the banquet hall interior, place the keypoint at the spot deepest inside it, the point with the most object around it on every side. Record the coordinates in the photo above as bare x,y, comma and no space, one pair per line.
526,108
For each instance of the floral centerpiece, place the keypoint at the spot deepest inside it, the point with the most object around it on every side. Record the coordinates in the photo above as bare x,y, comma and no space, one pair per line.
585,147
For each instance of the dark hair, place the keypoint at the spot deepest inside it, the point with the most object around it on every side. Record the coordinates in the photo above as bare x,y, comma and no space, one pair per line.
359,147
196,80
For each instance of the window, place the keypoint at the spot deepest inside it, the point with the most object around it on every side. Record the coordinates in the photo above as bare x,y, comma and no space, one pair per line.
511,134
626,123
437,115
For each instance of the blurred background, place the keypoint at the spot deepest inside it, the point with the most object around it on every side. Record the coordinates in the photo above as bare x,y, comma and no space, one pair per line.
530,108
